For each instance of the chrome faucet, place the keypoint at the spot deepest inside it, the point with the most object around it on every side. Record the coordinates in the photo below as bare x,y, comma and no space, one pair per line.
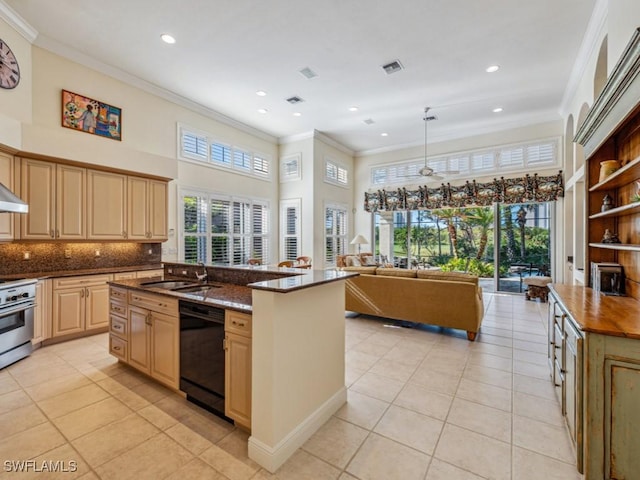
202,277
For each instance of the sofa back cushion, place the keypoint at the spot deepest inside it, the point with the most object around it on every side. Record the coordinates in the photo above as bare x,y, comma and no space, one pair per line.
396,272
453,276
353,261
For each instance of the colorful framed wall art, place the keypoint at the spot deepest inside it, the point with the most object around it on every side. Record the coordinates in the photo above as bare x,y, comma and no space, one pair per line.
91,116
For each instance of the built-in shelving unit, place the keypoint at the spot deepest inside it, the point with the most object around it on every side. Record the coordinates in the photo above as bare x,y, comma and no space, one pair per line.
616,246
630,209
628,173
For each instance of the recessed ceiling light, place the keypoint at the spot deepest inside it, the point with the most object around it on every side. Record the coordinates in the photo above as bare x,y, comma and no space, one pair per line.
384,134
261,93
297,114
166,38
492,68
262,110
497,110
353,109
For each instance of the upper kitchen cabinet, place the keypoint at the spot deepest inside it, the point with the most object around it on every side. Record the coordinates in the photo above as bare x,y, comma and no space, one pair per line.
56,196
147,209
107,205
6,178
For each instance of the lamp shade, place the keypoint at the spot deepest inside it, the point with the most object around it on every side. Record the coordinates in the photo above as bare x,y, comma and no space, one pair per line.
359,240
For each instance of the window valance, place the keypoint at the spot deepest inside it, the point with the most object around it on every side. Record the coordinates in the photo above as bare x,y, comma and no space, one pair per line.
511,190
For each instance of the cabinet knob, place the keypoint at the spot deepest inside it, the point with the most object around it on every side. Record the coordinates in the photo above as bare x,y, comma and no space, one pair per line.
117,349
51,233
82,293
57,233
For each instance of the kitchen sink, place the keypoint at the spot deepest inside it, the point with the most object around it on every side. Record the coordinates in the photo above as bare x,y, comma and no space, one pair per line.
195,288
170,284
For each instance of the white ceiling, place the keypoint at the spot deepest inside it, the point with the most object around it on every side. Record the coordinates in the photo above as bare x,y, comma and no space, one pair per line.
226,50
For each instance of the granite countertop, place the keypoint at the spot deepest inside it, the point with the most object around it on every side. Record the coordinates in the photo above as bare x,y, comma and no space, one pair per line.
239,297
73,273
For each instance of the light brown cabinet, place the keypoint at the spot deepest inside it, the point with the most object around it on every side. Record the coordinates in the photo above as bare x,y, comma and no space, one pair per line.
56,197
42,312
6,178
106,205
238,331
80,304
154,336
147,209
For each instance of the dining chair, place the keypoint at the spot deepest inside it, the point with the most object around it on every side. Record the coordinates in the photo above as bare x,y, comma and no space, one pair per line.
286,263
254,261
303,261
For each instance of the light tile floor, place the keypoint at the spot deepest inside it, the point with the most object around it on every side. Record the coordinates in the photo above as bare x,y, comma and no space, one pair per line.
424,403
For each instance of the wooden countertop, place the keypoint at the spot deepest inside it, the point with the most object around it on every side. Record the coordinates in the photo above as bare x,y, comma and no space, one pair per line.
598,313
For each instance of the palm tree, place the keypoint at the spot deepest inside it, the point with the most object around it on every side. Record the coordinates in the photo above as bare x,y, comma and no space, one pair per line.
449,216
481,217
435,217
508,228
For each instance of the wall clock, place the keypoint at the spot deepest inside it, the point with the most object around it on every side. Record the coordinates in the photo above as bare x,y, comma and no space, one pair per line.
9,69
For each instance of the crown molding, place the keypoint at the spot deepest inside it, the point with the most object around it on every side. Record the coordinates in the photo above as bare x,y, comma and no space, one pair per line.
596,29
18,23
298,137
317,135
69,53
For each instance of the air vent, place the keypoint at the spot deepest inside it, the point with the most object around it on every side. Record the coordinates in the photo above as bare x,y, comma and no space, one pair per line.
392,67
307,72
369,121
295,99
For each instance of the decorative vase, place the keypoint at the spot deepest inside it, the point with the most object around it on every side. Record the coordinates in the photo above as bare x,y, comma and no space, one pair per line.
607,167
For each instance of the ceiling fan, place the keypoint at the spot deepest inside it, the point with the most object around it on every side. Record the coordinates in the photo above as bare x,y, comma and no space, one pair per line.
426,170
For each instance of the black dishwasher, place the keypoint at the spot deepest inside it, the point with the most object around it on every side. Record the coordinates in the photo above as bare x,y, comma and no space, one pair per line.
202,355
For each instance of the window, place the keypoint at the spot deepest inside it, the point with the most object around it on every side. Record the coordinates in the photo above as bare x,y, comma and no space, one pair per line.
290,168
519,157
290,229
223,230
336,174
200,147
335,233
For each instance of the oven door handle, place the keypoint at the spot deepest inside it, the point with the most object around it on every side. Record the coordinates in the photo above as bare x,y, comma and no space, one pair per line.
17,308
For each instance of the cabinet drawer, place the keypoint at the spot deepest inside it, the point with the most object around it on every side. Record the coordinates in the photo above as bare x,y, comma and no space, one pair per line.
118,347
118,294
82,281
156,303
150,273
118,308
118,326
237,322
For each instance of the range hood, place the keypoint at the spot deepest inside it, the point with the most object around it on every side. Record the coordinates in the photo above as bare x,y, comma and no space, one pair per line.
9,202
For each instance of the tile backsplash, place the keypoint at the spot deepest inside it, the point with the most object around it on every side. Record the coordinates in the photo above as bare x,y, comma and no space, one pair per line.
30,257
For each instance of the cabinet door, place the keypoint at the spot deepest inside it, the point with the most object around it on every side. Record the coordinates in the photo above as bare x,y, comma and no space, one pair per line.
573,387
238,379
38,190
71,202
138,209
139,338
97,308
68,311
41,316
157,210
106,200
165,344
6,178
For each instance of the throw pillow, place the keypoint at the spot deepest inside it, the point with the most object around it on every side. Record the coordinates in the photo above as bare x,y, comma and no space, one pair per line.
369,261
353,261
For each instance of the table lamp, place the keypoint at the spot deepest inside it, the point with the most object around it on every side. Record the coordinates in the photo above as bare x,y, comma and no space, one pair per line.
359,240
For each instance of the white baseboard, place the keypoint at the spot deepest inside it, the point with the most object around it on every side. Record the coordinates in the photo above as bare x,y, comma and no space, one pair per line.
271,458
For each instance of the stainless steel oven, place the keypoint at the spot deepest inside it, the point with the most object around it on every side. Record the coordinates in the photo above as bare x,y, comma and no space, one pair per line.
17,301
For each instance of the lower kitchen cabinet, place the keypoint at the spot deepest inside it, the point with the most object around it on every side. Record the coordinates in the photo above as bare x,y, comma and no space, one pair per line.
41,312
154,337
80,304
238,367
597,378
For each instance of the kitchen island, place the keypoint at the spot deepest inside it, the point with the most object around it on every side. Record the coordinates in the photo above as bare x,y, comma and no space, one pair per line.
297,345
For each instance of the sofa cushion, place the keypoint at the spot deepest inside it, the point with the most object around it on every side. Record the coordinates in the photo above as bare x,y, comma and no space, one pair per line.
396,272
452,276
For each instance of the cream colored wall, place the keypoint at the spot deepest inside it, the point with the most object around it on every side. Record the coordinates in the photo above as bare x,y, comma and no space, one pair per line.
326,193
302,189
622,20
15,104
